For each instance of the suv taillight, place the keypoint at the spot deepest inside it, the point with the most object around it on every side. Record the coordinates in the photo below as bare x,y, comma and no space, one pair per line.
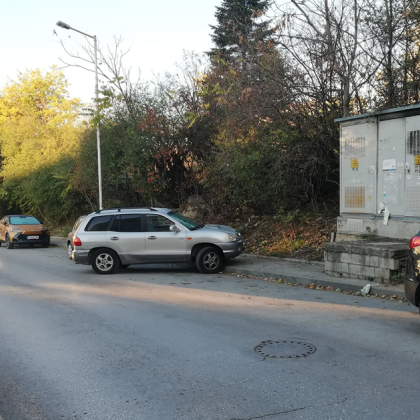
415,241
78,242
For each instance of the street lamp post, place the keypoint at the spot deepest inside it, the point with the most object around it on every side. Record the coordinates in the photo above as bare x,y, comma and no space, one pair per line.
98,133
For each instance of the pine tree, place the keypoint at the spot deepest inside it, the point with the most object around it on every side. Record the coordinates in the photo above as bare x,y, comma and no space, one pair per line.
240,31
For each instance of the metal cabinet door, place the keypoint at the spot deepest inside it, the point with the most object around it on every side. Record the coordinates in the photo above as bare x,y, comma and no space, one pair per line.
412,163
358,168
391,165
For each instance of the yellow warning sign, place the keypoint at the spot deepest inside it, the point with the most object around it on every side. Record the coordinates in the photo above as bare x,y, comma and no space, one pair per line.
416,159
354,163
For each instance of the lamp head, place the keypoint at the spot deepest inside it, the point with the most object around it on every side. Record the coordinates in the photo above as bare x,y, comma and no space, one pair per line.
63,25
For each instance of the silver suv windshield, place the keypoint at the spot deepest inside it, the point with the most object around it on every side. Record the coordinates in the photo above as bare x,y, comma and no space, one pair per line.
188,223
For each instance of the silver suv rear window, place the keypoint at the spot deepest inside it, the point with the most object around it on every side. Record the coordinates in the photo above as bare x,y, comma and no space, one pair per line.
98,224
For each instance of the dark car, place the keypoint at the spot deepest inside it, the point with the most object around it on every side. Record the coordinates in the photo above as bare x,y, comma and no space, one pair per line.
412,272
19,229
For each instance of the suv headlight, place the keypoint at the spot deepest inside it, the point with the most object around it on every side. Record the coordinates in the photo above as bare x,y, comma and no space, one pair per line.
232,237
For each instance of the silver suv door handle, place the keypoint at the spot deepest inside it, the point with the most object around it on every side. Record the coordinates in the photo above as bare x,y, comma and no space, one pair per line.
114,238
152,237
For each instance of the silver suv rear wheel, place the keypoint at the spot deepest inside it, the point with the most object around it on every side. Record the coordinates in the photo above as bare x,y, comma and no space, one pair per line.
69,250
105,261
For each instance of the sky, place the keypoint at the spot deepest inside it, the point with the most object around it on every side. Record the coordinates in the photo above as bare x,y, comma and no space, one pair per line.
156,32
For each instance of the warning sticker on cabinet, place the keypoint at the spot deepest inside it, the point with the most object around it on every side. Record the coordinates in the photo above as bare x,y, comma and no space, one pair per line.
354,163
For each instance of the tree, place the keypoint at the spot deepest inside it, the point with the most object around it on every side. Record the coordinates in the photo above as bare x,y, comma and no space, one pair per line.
39,137
150,148
395,27
240,31
325,41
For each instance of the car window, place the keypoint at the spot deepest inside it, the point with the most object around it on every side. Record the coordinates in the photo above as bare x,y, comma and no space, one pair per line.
185,221
127,223
98,224
24,220
158,223
78,223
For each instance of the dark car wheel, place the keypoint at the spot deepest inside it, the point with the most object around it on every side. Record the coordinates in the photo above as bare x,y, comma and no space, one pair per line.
105,261
209,260
9,245
69,250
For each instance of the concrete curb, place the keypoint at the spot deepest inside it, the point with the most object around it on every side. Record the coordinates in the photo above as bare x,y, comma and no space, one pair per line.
342,284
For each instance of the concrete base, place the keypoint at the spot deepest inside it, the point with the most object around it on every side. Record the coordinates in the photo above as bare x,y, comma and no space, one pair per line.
376,259
397,228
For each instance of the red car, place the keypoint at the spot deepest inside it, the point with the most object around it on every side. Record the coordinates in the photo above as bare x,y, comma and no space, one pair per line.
412,272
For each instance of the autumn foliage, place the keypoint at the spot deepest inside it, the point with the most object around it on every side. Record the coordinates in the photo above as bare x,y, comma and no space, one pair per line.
248,126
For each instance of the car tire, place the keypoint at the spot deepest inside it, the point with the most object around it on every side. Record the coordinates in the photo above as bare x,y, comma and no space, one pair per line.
9,245
209,260
105,261
69,250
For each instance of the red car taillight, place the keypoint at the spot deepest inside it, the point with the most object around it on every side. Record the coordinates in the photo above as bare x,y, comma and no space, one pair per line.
78,242
415,241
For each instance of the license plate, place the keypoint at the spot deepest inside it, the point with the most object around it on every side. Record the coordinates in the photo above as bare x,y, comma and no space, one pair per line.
33,237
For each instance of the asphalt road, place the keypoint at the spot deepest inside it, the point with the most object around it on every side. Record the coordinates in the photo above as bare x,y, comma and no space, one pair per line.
167,343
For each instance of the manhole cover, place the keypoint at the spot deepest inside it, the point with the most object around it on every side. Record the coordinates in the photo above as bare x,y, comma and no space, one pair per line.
285,349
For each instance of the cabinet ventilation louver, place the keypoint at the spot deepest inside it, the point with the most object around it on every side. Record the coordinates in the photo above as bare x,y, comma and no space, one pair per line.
354,197
412,199
354,148
355,225
413,142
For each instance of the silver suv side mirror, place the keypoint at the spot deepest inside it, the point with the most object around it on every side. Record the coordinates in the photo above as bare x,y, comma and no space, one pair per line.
174,228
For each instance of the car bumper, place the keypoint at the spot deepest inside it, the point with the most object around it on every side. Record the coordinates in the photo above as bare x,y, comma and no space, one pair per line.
410,288
20,239
80,256
412,278
232,249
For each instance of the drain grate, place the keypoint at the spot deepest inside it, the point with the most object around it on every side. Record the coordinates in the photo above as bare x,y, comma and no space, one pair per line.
285,349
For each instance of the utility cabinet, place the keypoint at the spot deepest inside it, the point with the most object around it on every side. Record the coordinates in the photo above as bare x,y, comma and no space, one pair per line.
380,173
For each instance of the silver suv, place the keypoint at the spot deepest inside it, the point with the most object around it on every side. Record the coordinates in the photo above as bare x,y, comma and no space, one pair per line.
119,237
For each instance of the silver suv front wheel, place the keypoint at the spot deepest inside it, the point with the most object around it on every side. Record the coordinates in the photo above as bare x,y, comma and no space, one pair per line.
105,261
209,260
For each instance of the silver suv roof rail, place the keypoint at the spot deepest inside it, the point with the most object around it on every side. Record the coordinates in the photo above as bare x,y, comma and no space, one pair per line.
126,208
